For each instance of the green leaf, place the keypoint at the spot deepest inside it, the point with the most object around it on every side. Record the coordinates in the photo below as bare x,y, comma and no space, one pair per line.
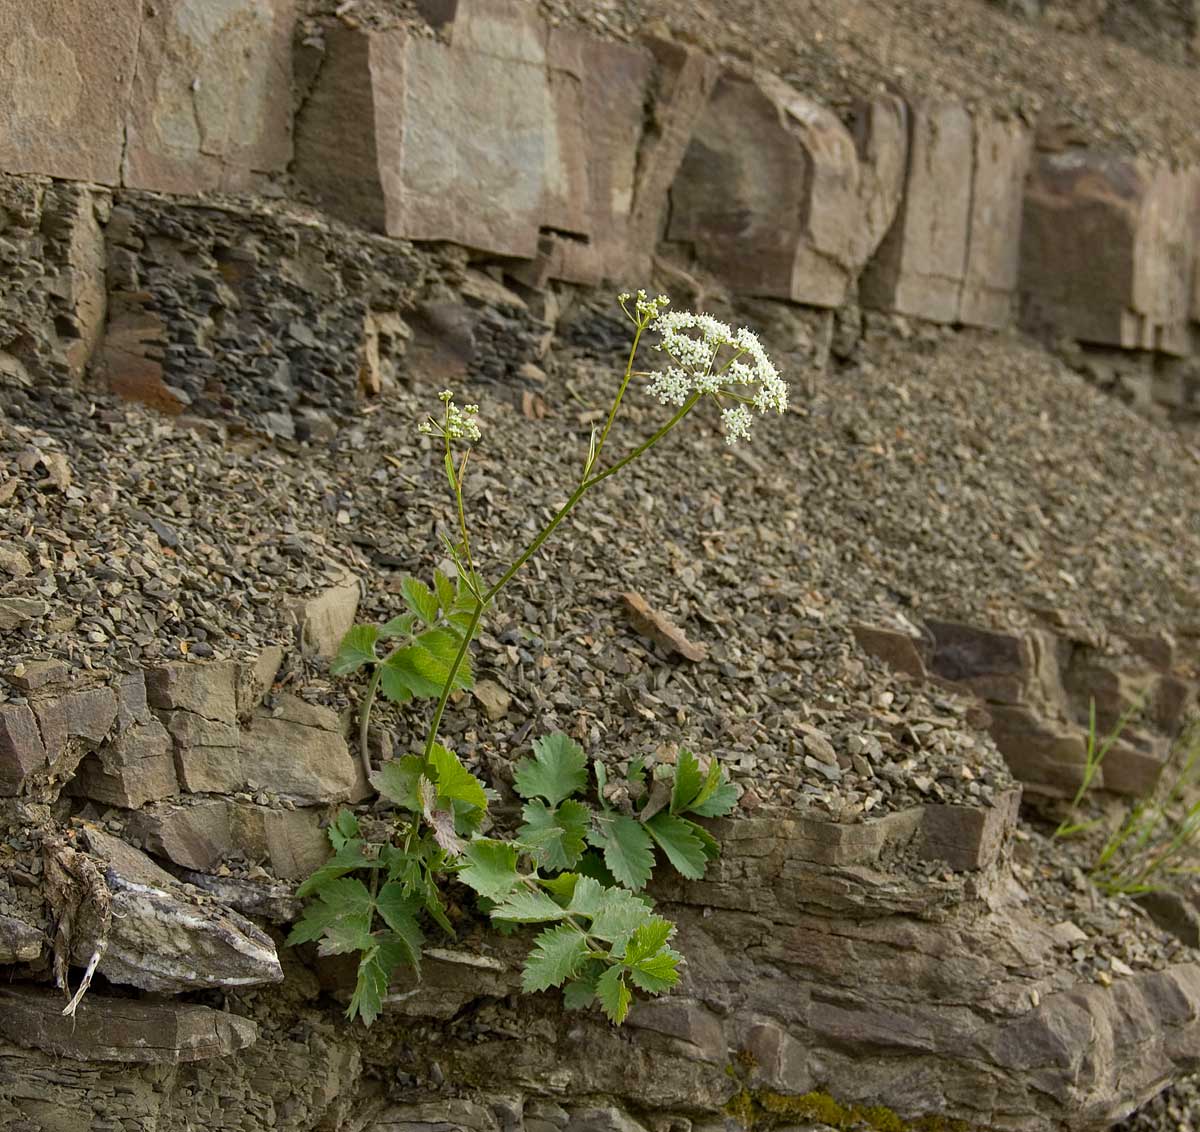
357,648
401,626
627,851
454,781
717,796
346,933
394,682
419,598
689,781
601,782
556,957
677,840
556,835
343,828
615,912
529,907
396,780
591,864
491,868
656,973
436,908
647,939
446,593
350,857
613,994
399,912
557,770
373,977
449,462
343,897
712,847
580,993
425,664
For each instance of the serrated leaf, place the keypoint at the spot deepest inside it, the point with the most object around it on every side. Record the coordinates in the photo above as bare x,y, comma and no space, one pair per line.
626,846
615,913
371,986
527,906
449,465
446,593
557,835
675,837
579,993
561,887
454,781
613,994
601,781
337,898
445,831
343,828
718,803
689,781
351,857
712,848
646,939
491,868
401,626
557,955
557,770
394,681
357,648
399,912
346,933
591,864
436,908
397,779
420,599
656,973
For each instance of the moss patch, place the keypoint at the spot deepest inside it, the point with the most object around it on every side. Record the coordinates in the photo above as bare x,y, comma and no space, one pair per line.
762,1109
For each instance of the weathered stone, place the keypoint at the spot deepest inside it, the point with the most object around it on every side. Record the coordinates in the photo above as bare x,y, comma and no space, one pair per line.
1003,151
771,193
298,751
207,753
209,108
18,611
1107,250
64,86
129,360
20,942
416,139
918,269
33,675
262,899
195,835
22,751
324,619
603,1119
205,689
780,1061
1048,756
995,666
1173,699
163,939
118,1029
966,837
1133,764
684,1021
73,723
136,767
897,650
1173,913
449,1115
254,680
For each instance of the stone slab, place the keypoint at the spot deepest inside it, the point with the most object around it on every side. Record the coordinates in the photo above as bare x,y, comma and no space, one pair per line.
64,84
211,98
119,1029
918,269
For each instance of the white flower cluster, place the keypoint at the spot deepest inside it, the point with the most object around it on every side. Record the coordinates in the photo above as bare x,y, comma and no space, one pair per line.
456,424
711,359
644,309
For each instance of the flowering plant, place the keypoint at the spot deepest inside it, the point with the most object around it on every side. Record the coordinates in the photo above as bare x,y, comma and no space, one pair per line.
573,865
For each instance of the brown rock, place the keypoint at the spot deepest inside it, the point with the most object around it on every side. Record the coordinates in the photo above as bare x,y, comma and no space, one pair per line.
196,836
64,86
919,267
74,723
996,666
119,1029
206,689
324,619
494,699
1107,250
416,139
31,675
684,1021
652,624
209,108
1046,755
896,649
20,942
22,751
136,767
254,680
207,756
1133,764
968,838
1003,151
129,359
18,611
297,750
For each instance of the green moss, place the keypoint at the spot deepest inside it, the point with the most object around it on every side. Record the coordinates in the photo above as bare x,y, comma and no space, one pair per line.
762,1109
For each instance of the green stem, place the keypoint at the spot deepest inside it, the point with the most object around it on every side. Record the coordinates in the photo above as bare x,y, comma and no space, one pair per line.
364,719
530,551
612,413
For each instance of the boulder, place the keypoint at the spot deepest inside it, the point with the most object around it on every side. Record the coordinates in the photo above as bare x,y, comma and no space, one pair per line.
119,1029
324,619
22,751
197,702
1108,250
64,86
20,941
772,193
210,103
919,267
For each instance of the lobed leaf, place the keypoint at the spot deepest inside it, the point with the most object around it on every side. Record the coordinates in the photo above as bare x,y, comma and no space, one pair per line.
557,835
676,838
557,955
527,906
399,911
613,994
627,849
348,859
656,973
454,781
688,783
343,828
401,626
336,898
446,592
420,599
397,779
491,868
557,770
615,913
357,649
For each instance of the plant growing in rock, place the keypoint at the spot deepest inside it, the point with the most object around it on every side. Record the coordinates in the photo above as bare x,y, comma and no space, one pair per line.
585,848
